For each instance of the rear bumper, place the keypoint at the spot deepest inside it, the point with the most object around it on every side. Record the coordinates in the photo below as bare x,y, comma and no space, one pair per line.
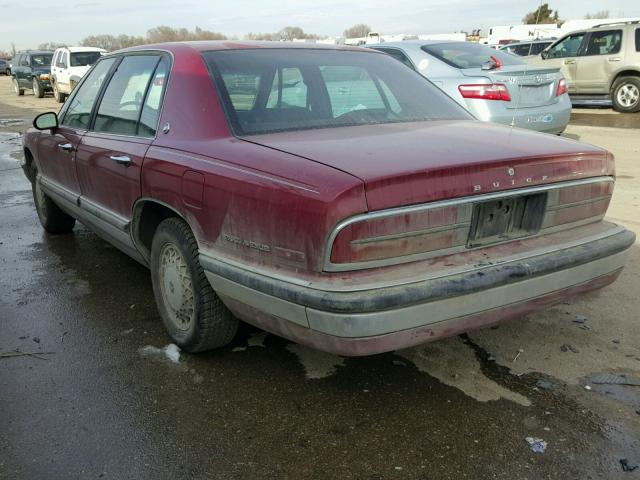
364,322
548,119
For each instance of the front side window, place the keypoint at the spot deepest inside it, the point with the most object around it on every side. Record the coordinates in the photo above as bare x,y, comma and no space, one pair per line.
567,47
604,43
123,98
78,113
637,39
270,90
469,55
83,59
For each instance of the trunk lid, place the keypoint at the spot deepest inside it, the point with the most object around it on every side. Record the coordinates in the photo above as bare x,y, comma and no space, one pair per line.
528,86
408,163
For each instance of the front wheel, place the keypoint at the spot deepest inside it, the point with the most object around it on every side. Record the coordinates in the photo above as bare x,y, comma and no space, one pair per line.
52,218
59,97
16,88
194,316
37,89
626,94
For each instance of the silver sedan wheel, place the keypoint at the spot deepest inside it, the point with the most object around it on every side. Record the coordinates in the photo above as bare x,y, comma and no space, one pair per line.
628,95
177,287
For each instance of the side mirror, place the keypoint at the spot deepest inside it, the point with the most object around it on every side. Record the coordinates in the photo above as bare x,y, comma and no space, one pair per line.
46,121
544,54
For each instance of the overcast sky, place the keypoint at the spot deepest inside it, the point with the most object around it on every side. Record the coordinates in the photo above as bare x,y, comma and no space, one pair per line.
29,23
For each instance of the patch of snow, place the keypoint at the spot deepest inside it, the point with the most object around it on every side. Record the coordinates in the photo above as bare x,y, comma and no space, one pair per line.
170,352
316,364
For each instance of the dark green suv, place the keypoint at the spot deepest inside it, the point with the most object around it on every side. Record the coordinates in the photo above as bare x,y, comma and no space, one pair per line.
32,69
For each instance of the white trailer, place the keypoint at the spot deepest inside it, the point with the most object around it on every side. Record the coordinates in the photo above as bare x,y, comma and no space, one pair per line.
503,34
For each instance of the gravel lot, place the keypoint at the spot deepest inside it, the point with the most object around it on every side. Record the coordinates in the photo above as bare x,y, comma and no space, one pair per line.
105,403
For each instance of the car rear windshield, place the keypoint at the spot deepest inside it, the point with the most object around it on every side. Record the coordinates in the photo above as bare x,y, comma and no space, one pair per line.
82,59
271,90
41,60
468,55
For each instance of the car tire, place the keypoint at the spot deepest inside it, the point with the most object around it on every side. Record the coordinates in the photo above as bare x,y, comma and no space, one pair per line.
38,91
625,94
60,97
194,316
52,218
19,91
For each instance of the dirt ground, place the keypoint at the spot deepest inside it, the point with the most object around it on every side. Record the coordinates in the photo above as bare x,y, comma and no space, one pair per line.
108,404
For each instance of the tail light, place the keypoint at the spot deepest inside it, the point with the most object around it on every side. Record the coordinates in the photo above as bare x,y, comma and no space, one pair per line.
562,87
495,91
442,228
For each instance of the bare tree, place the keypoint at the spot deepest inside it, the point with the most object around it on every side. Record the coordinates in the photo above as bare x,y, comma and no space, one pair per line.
287,34
357,31
13,49
599,14
51,45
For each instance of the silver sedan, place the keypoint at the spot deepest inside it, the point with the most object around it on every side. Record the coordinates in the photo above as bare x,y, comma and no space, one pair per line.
494,86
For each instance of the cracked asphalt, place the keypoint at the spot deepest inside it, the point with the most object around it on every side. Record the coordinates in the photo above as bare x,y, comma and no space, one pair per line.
99,398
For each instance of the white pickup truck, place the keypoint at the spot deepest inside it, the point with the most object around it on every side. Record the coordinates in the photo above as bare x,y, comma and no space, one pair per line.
69,65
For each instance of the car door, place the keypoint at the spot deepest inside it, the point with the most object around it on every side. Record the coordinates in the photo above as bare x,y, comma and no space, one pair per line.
110,155
63,71
598,61
563,55
24,77
57,150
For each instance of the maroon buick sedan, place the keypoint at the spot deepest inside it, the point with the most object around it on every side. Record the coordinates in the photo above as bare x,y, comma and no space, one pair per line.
328,195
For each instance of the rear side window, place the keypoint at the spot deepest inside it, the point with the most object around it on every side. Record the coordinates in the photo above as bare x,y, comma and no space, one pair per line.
78,113
82,59
24,61
637,39
468,55
123,98
151,109
604,43
398,55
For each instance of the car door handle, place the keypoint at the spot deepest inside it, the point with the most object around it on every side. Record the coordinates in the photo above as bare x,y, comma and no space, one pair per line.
614,59
569,62
67,147
121,159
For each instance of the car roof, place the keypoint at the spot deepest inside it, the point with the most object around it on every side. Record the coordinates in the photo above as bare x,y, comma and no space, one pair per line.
82,49
205,46
414,44
33,52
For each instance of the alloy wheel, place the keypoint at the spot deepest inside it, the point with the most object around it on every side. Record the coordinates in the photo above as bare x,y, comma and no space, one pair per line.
177,287
628,95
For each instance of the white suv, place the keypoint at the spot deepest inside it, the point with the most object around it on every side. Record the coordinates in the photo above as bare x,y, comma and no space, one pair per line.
69,65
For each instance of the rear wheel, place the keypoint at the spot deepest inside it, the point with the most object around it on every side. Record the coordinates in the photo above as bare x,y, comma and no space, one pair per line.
16,88
194,316
626,94
52,218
